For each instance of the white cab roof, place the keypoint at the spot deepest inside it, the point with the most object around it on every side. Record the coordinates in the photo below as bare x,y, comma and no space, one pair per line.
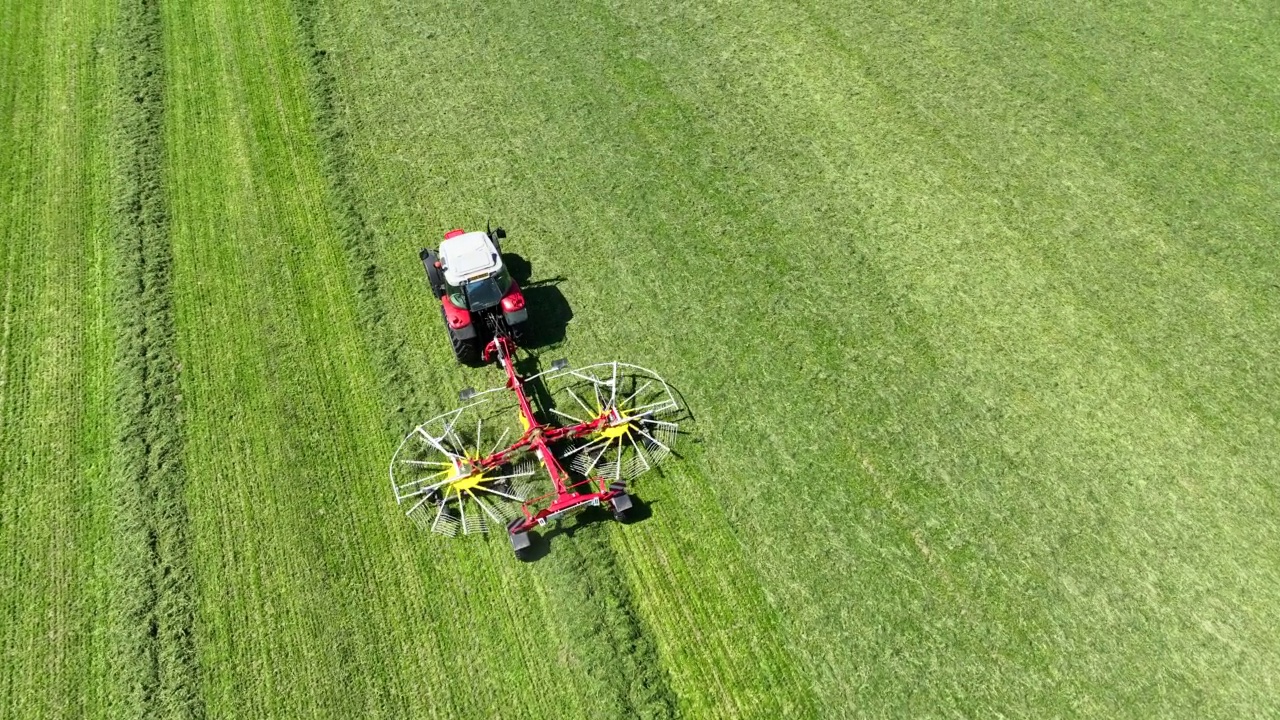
468,255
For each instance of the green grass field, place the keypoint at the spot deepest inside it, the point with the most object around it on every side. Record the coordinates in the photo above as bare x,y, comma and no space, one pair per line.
976,307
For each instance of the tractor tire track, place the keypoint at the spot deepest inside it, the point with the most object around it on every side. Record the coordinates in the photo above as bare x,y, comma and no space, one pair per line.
583,575
153,604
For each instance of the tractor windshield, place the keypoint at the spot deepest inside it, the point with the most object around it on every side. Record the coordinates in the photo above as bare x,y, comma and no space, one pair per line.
482,294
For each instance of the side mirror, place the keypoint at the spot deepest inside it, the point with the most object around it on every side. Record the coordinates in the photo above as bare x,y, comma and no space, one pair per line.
500,233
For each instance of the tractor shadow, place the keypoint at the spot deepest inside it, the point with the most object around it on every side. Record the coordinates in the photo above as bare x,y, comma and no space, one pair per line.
541,540
549,311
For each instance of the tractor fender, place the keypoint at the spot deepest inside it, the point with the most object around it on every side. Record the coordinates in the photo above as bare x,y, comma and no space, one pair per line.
457,319
513,308
513,300
431,262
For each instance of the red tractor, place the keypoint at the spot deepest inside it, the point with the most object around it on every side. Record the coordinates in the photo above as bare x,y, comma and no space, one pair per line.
478,297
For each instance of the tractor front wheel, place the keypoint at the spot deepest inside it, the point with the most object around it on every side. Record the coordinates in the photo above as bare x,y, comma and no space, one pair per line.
434,277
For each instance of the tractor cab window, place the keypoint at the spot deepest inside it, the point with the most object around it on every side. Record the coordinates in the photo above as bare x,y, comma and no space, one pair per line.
455,296
504,280
480,294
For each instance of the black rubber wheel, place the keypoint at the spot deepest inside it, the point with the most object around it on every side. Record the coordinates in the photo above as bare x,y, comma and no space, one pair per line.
467,351
522,543
434,276
619,507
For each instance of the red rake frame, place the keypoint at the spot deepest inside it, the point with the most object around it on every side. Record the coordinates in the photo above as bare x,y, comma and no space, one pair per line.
462,474
539,437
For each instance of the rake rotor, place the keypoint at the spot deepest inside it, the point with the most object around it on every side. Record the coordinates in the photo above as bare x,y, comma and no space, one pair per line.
639,412
439,470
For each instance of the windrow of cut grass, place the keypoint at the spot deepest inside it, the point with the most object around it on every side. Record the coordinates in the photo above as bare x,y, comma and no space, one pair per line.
624,672
56,78
157,671
399,389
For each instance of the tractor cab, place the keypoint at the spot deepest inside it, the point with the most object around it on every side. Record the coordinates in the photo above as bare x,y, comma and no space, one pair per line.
474,277
475,290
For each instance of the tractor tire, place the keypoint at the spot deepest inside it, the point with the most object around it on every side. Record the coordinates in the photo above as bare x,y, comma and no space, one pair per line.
466,350
434,276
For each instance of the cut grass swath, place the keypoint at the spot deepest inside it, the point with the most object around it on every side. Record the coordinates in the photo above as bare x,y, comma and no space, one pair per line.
285,416
153,579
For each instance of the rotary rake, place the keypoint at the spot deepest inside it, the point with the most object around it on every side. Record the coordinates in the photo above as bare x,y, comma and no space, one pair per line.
523,455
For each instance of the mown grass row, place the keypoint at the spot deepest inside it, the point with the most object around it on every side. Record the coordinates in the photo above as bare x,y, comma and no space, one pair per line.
604,627
315,592
153,579
402,393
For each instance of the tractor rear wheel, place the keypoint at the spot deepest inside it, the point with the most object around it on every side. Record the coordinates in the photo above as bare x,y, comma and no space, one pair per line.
467,350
